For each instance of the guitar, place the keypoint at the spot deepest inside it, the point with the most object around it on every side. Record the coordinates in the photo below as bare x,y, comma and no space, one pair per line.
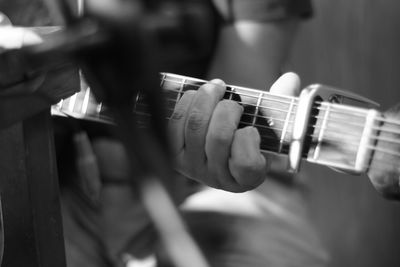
341,136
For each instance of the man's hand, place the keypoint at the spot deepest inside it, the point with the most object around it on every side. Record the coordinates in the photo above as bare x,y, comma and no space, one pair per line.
208,145
384,171
21,86
13,76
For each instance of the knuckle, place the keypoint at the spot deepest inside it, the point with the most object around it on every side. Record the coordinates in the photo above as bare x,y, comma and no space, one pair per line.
182,106
186,98
178,114
189,93
197,120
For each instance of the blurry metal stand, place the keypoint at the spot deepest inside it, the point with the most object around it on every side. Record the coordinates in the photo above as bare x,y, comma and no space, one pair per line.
32,225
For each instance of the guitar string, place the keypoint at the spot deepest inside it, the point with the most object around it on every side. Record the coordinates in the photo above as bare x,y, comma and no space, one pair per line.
391,121
271,97
291,122
264,126
271,149
383,164
312,136
272,118
380,161
370,147
332,112
285,112
316,127
184,81
273,109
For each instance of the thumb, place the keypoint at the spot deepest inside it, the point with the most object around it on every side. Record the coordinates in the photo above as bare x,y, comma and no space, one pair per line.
287,84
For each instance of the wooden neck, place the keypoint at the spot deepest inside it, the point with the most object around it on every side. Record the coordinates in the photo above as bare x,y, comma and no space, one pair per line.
335,135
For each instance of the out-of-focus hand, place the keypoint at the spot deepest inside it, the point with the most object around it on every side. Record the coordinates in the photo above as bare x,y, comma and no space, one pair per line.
13,75
24,86
384,171
100,230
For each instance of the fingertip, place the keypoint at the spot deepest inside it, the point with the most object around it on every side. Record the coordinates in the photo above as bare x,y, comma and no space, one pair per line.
218,82
251,133
288,84
248,166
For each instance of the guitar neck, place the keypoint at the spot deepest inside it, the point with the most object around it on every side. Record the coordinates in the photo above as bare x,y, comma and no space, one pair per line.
338,136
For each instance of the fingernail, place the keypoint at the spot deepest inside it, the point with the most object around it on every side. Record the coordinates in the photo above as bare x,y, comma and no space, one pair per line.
218,82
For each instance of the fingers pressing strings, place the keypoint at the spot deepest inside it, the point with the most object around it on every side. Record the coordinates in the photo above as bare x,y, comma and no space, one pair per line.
198,118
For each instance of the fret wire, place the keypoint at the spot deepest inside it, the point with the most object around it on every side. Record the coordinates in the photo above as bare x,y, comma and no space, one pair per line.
294,103
288,113
243,103
266,98
273,138
85,103
99,107
231,93
290,122
180,90
108,119
321,133
163,79
285,126
256,109
254,90
244,94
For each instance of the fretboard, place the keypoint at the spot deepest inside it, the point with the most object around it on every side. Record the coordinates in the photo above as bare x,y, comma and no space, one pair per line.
338,135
